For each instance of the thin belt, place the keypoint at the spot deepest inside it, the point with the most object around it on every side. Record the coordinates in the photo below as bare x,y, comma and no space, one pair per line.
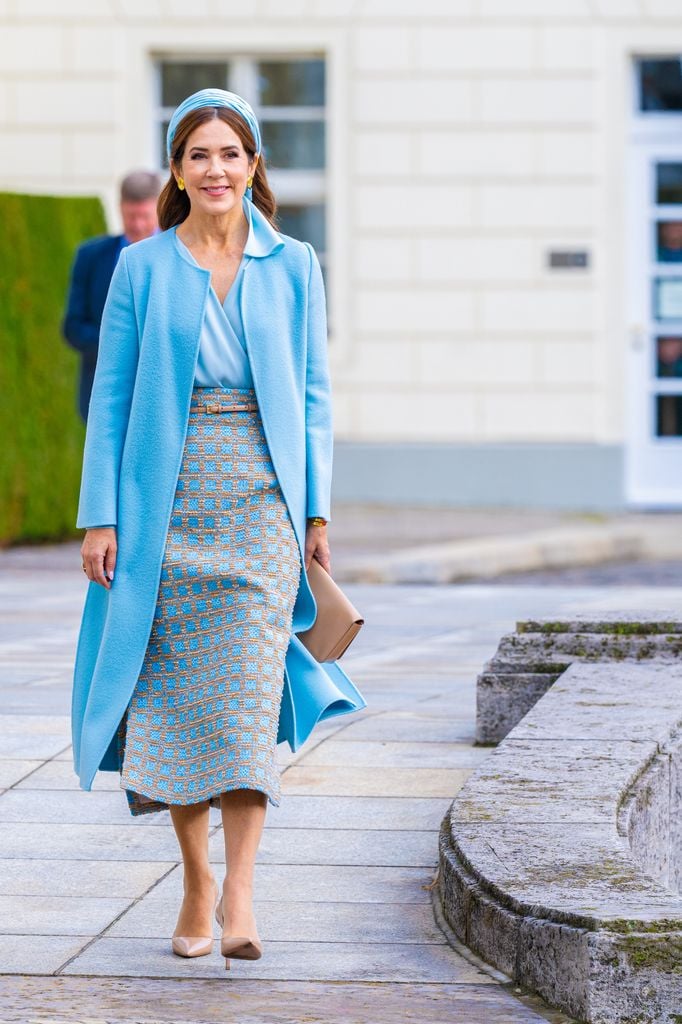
219,400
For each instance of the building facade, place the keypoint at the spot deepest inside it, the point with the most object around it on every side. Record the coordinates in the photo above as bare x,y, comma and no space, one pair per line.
494,188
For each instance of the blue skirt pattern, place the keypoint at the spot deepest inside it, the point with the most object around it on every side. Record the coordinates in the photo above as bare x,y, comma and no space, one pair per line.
204,714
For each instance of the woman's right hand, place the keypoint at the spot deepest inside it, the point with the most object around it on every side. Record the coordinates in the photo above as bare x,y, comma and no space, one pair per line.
98,552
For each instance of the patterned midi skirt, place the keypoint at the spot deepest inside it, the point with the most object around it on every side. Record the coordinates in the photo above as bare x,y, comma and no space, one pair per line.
203,717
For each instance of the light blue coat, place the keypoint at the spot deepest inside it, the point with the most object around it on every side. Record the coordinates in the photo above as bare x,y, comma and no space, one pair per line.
135,436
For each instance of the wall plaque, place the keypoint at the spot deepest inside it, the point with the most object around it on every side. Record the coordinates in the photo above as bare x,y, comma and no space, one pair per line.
568,259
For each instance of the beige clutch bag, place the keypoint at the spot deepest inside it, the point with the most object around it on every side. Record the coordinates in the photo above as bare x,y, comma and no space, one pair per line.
338,622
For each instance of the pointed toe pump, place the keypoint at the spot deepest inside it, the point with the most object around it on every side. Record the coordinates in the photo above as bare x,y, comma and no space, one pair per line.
192,945
239,947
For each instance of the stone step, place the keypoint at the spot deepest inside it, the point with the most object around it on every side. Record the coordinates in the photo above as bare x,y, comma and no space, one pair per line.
527,662
617,623
533,649
561,857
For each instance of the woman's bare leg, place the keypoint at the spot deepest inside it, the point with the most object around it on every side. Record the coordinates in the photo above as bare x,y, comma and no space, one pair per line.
191,827
243,814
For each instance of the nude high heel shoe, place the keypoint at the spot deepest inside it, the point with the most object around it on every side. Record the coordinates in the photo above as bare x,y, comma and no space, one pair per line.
240,947
192,945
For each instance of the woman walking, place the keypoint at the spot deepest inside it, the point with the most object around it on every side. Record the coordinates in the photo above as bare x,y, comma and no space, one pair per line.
205,494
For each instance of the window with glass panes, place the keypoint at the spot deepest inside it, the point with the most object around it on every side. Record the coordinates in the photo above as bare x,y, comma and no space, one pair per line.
660,95
288,97
653,298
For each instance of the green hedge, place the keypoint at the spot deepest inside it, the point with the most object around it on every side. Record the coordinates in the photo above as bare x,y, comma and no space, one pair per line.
41,433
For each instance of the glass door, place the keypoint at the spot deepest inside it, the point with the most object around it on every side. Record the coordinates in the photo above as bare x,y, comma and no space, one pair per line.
654,463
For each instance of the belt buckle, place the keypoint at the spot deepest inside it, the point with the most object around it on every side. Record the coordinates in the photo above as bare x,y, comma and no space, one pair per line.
212,408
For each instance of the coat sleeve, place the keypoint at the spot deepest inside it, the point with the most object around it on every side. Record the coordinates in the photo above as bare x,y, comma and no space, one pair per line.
112,393
318,408
81,332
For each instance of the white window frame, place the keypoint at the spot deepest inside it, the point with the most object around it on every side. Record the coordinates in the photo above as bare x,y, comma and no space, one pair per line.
210,37
652,463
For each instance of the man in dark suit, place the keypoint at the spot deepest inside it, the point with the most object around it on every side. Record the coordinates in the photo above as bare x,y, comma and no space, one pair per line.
93,267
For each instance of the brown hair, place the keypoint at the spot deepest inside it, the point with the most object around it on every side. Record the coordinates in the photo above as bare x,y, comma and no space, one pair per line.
173,205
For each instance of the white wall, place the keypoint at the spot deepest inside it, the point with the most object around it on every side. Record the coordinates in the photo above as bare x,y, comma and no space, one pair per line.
467,138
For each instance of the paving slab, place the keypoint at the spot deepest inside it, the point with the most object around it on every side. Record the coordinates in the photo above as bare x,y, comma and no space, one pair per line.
298,961
418,679
390,782
388,700
293,921
38,954
412,728
88,842
31,745
59,915
361,812
442,706
31,696
59,774
12,770
320,883
391,754
76,807
397,848
29,724
37,877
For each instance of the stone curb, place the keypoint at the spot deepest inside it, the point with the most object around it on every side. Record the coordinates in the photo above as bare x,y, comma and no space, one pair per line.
489,557
561,857
528,661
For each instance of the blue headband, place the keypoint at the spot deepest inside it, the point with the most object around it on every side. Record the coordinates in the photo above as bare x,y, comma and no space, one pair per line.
214,98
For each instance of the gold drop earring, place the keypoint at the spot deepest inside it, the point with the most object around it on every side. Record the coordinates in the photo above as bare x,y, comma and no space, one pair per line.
249,182
181,183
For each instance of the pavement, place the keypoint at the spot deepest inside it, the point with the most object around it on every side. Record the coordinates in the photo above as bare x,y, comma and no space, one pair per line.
420,544
89,895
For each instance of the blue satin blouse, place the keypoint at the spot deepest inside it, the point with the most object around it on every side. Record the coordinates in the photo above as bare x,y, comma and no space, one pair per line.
223,360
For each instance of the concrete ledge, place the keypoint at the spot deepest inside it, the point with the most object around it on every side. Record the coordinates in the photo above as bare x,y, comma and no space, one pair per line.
489,557
529,661
561,858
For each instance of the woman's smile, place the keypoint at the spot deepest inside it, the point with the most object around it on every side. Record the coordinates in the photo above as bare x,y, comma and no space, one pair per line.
216,190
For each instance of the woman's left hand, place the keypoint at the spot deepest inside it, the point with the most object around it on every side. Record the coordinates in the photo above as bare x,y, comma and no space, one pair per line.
317,546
